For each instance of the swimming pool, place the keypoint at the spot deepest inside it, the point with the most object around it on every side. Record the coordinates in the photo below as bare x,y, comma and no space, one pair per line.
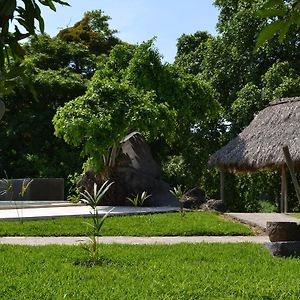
30,204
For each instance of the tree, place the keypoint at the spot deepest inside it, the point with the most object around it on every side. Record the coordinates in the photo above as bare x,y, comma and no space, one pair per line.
29,147
246,81
59,71
11,52
191,50
133,90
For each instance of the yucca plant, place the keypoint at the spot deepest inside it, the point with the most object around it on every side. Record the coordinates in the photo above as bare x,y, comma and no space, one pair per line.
7,186
93,200
139,199
179,192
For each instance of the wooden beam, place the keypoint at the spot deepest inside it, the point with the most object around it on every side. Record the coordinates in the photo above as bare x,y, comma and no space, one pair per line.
290,165
222,187
284,204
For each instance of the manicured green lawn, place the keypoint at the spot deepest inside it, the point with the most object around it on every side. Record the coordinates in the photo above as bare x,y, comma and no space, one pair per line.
202,271
168,224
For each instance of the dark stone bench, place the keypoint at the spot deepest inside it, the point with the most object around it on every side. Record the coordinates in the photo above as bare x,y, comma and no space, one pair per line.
284,237
40,189
286,249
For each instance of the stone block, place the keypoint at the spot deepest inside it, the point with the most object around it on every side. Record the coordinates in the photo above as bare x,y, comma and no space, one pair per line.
40,189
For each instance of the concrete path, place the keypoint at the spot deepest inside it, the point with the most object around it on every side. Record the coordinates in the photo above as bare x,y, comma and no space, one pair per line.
260,219
38,241
76,211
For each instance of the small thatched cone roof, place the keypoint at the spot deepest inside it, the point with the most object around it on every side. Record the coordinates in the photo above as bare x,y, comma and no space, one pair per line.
259,146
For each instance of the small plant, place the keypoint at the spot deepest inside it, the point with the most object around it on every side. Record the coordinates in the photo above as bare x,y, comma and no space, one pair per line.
25,185
7,187
74,191
138,200
94,200
179,192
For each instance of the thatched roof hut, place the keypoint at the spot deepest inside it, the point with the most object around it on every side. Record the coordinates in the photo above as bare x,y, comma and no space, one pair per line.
259,146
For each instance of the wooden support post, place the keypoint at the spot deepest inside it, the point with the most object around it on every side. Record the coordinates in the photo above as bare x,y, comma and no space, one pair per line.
222,187
290,165
283,202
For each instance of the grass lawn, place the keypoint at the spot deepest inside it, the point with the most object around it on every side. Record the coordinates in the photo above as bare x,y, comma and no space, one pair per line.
202,271
167,224
296,215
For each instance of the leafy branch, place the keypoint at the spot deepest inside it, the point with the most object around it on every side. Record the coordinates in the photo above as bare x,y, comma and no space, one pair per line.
281,15
11,51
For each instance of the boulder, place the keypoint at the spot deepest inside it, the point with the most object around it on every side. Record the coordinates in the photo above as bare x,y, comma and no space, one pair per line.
283,231
135,172
193,198
216,205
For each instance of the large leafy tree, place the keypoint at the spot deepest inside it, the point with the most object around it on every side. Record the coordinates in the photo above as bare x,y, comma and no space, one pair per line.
246,80
134,90
59,71
228,61
28,146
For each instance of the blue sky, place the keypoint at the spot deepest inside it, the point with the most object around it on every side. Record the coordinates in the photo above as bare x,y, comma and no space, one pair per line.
140,20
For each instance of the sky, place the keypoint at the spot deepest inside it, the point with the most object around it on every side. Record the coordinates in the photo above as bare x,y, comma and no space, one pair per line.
141,20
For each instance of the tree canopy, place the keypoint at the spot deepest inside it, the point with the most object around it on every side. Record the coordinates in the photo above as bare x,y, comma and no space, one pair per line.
133,90
93,30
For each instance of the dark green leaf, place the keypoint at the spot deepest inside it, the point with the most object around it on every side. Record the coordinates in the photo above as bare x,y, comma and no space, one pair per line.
271,12
272,3
268,32
284,29
50,4
40,19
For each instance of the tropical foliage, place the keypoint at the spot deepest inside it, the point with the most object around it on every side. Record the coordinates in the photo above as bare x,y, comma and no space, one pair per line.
96,89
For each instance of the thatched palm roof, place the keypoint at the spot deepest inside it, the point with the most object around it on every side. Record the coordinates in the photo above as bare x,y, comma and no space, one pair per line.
259,146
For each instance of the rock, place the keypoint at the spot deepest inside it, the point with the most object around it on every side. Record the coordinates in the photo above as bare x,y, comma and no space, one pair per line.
291,248
283,231
193,198
135,172
217,205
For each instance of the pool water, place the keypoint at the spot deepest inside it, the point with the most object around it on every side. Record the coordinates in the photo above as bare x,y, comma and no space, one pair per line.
28,204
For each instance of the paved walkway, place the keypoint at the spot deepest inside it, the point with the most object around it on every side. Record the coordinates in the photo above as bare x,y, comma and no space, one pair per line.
38,241
260,219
